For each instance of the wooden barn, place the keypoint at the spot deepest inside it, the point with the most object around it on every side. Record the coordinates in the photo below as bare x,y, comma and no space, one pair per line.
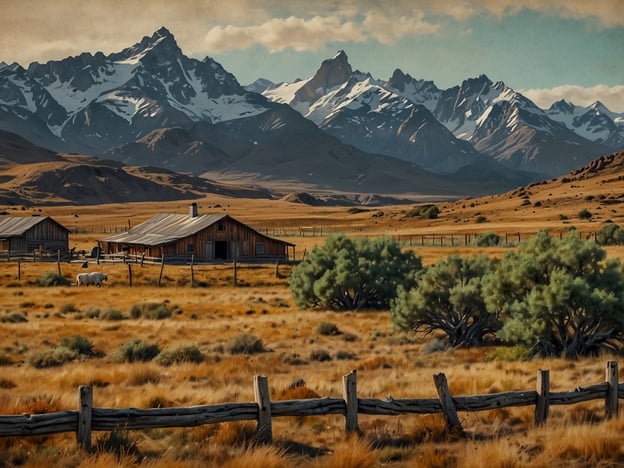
30,233
207,238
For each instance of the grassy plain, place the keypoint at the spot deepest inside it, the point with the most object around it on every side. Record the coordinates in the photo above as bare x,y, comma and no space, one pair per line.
211,315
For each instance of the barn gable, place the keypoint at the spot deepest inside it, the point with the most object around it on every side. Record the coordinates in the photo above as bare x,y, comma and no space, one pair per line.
205,237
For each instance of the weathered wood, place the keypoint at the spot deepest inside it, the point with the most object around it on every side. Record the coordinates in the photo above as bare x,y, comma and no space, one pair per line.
612,404
162,266
129,274
192,272
308,407
448,406
38,424
579,394
85,412
263,400
543,396
349,393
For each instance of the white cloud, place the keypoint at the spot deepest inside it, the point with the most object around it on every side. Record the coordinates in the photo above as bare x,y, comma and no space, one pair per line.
388,30
610,96
281,33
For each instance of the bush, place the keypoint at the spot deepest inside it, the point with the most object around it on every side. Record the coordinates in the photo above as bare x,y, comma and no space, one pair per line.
448,298
150,310
179,354
51,357
610,234
327,329
481,219
134,351
424,211
559,297
79,344
68,308
245,344
584,214
14,317
509,353
52,279
320,355
488,239
353,274
109,314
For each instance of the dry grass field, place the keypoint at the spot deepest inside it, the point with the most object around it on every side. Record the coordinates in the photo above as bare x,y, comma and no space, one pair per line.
212,314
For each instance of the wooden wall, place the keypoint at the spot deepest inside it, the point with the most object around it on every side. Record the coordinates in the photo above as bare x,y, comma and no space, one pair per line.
227,239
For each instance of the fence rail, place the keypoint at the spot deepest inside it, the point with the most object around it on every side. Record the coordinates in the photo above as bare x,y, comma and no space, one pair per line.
87,418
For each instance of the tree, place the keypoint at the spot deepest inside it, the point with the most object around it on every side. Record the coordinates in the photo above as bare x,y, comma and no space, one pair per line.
559,296
353,274
610,234
448,298
488,239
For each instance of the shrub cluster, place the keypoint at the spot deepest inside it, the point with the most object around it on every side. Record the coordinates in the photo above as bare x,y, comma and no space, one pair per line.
245,343
424,211
150,310
179,354
52,279
135,350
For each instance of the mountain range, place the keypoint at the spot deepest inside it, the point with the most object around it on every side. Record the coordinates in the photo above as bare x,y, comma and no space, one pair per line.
340,130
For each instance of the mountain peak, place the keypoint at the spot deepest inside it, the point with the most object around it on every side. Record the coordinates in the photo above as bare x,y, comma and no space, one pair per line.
563,106
341,56
161,40
599,106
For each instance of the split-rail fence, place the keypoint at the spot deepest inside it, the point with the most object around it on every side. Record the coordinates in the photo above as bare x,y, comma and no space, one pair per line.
88,418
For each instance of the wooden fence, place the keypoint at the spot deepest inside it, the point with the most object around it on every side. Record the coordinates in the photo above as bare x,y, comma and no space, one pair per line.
87,418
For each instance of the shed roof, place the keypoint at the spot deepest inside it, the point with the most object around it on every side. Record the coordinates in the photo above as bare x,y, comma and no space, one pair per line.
166,228
15,226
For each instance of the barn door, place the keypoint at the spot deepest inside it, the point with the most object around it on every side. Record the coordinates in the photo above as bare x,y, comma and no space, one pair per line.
234,249
209,253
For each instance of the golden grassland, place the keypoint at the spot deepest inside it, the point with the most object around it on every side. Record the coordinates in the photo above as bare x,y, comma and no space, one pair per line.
214,312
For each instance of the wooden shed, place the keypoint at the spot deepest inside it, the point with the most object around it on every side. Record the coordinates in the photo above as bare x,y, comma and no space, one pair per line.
210,237
30,233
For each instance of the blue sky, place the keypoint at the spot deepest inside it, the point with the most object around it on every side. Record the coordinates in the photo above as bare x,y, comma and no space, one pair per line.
549,49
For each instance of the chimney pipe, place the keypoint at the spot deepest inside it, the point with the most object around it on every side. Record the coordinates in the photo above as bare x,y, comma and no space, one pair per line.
193,210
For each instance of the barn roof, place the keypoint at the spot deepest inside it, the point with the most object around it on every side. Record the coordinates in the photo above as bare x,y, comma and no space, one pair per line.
15,226
166,228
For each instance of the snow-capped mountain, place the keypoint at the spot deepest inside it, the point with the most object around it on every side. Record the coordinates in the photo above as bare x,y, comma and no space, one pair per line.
406,118
596,122
94,102
365,113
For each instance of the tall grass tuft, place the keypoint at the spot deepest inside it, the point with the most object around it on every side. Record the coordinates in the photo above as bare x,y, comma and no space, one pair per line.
55,357
179,354
135,350
14,317
79,344
52,279
245,343
150,310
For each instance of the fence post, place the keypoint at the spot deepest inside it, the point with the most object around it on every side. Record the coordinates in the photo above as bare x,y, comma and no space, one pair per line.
449,410
612,404
129,274
234,267
277,269
19,270
58,261
162,266
349,392
543,396
261,392
192,272
85,411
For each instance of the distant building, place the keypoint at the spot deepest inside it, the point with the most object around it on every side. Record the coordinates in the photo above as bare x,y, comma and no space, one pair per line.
205,237
30,233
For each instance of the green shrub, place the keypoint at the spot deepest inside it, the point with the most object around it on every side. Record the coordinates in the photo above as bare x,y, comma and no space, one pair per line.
481,219
178,354
110,314
424,211
344,355
327,329
79,344
320,355
150,310
135,350
245,343
584,214
92,312
509,353
5,360
14,317
51,357
487,239
68,308
52,279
